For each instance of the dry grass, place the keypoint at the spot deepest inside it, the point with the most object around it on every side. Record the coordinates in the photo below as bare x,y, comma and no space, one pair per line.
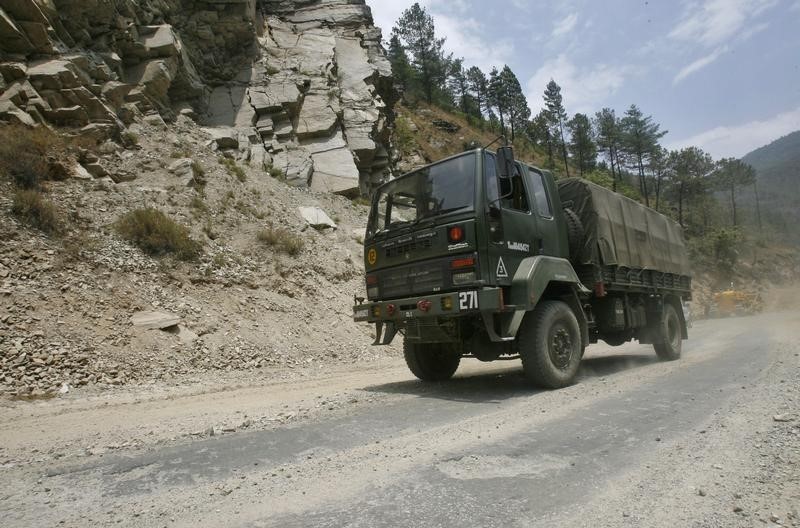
32,208
29,156
233,168
281,239
156,234
198,176
436,144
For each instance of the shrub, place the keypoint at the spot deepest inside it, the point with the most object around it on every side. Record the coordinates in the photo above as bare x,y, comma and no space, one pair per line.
403,136
30,207
130,138
28,155
198,175
276,173
233,168
280,239
156,234
198,204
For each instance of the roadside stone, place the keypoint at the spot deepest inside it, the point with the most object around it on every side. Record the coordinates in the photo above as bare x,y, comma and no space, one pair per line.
316,218
154,320
223,137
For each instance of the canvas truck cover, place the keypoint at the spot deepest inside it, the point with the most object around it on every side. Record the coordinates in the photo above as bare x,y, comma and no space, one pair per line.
622,232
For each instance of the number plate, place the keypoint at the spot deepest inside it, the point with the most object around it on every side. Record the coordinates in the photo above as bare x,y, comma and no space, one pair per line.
468,300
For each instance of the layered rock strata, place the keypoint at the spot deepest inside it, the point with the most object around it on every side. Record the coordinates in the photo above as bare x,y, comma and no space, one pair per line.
301,87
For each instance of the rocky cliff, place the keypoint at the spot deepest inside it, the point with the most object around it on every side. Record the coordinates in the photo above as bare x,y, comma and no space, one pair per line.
300,88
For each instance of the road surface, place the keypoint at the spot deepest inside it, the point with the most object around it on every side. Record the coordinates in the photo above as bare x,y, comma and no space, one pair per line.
710,440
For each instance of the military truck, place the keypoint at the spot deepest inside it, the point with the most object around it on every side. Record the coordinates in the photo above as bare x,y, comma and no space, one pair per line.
480,255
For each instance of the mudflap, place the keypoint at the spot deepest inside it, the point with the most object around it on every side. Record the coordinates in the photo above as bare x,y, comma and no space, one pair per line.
384,337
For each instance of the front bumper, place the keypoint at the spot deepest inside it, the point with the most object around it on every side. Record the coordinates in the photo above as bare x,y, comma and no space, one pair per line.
463,302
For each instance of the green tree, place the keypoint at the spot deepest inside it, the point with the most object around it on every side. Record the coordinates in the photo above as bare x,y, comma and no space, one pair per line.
608,134
498,98
688,171
416,29
518,110
731,173
540,134
402,71
659,167
640,137
478,87
459,86
556,117
581,145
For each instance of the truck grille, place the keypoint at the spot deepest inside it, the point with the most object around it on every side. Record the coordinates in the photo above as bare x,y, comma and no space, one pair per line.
412,280
419,278
409,247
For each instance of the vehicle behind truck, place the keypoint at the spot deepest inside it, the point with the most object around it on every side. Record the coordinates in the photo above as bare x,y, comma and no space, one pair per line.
482,256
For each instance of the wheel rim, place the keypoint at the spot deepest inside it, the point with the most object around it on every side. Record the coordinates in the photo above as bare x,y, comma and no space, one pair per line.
561,348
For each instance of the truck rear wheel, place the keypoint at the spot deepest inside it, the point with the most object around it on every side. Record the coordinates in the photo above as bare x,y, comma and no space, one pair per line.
550,345
431,361
668,335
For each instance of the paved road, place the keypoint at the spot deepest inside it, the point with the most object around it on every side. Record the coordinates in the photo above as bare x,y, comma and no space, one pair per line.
481,450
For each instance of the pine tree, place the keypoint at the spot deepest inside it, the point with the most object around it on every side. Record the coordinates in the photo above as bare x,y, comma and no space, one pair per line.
582,145
658,167
608,137
402,72
415,27
640,136
730,173
459,86
688,169
478,88
556,115
498,98
518,110
540,134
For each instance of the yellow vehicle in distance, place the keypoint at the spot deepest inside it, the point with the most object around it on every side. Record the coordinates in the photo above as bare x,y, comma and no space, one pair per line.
733,302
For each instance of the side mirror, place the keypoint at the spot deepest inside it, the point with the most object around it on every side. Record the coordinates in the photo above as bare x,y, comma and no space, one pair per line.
505,162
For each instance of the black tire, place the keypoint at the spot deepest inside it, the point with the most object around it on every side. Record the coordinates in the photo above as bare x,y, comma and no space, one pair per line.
575,233
668,338
431,362
550,345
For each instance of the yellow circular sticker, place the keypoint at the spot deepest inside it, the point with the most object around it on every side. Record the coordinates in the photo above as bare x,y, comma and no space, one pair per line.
372,256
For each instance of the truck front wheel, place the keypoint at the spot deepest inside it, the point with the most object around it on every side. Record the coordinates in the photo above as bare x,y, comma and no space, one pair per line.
668,334
431,361
550,345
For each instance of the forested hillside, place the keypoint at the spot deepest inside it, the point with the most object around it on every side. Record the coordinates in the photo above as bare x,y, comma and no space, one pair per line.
777,167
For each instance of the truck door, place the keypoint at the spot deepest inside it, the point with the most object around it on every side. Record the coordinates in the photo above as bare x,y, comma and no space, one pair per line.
546,241
510,221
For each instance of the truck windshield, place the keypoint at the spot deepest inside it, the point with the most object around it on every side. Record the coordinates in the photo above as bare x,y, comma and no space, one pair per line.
431,191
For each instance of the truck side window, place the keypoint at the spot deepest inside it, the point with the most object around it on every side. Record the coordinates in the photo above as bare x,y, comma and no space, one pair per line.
540,194
490,177
518,199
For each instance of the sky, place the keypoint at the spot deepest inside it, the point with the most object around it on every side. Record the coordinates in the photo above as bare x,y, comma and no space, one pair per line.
723,75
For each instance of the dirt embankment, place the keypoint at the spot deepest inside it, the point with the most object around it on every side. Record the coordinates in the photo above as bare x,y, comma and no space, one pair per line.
246,304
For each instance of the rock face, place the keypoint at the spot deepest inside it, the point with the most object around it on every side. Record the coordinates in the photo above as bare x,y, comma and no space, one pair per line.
302,86
318,95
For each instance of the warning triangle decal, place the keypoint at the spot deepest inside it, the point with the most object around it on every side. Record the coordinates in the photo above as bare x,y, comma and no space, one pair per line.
501,269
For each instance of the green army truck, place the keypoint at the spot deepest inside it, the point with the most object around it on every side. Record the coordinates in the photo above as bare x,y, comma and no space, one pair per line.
482,256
